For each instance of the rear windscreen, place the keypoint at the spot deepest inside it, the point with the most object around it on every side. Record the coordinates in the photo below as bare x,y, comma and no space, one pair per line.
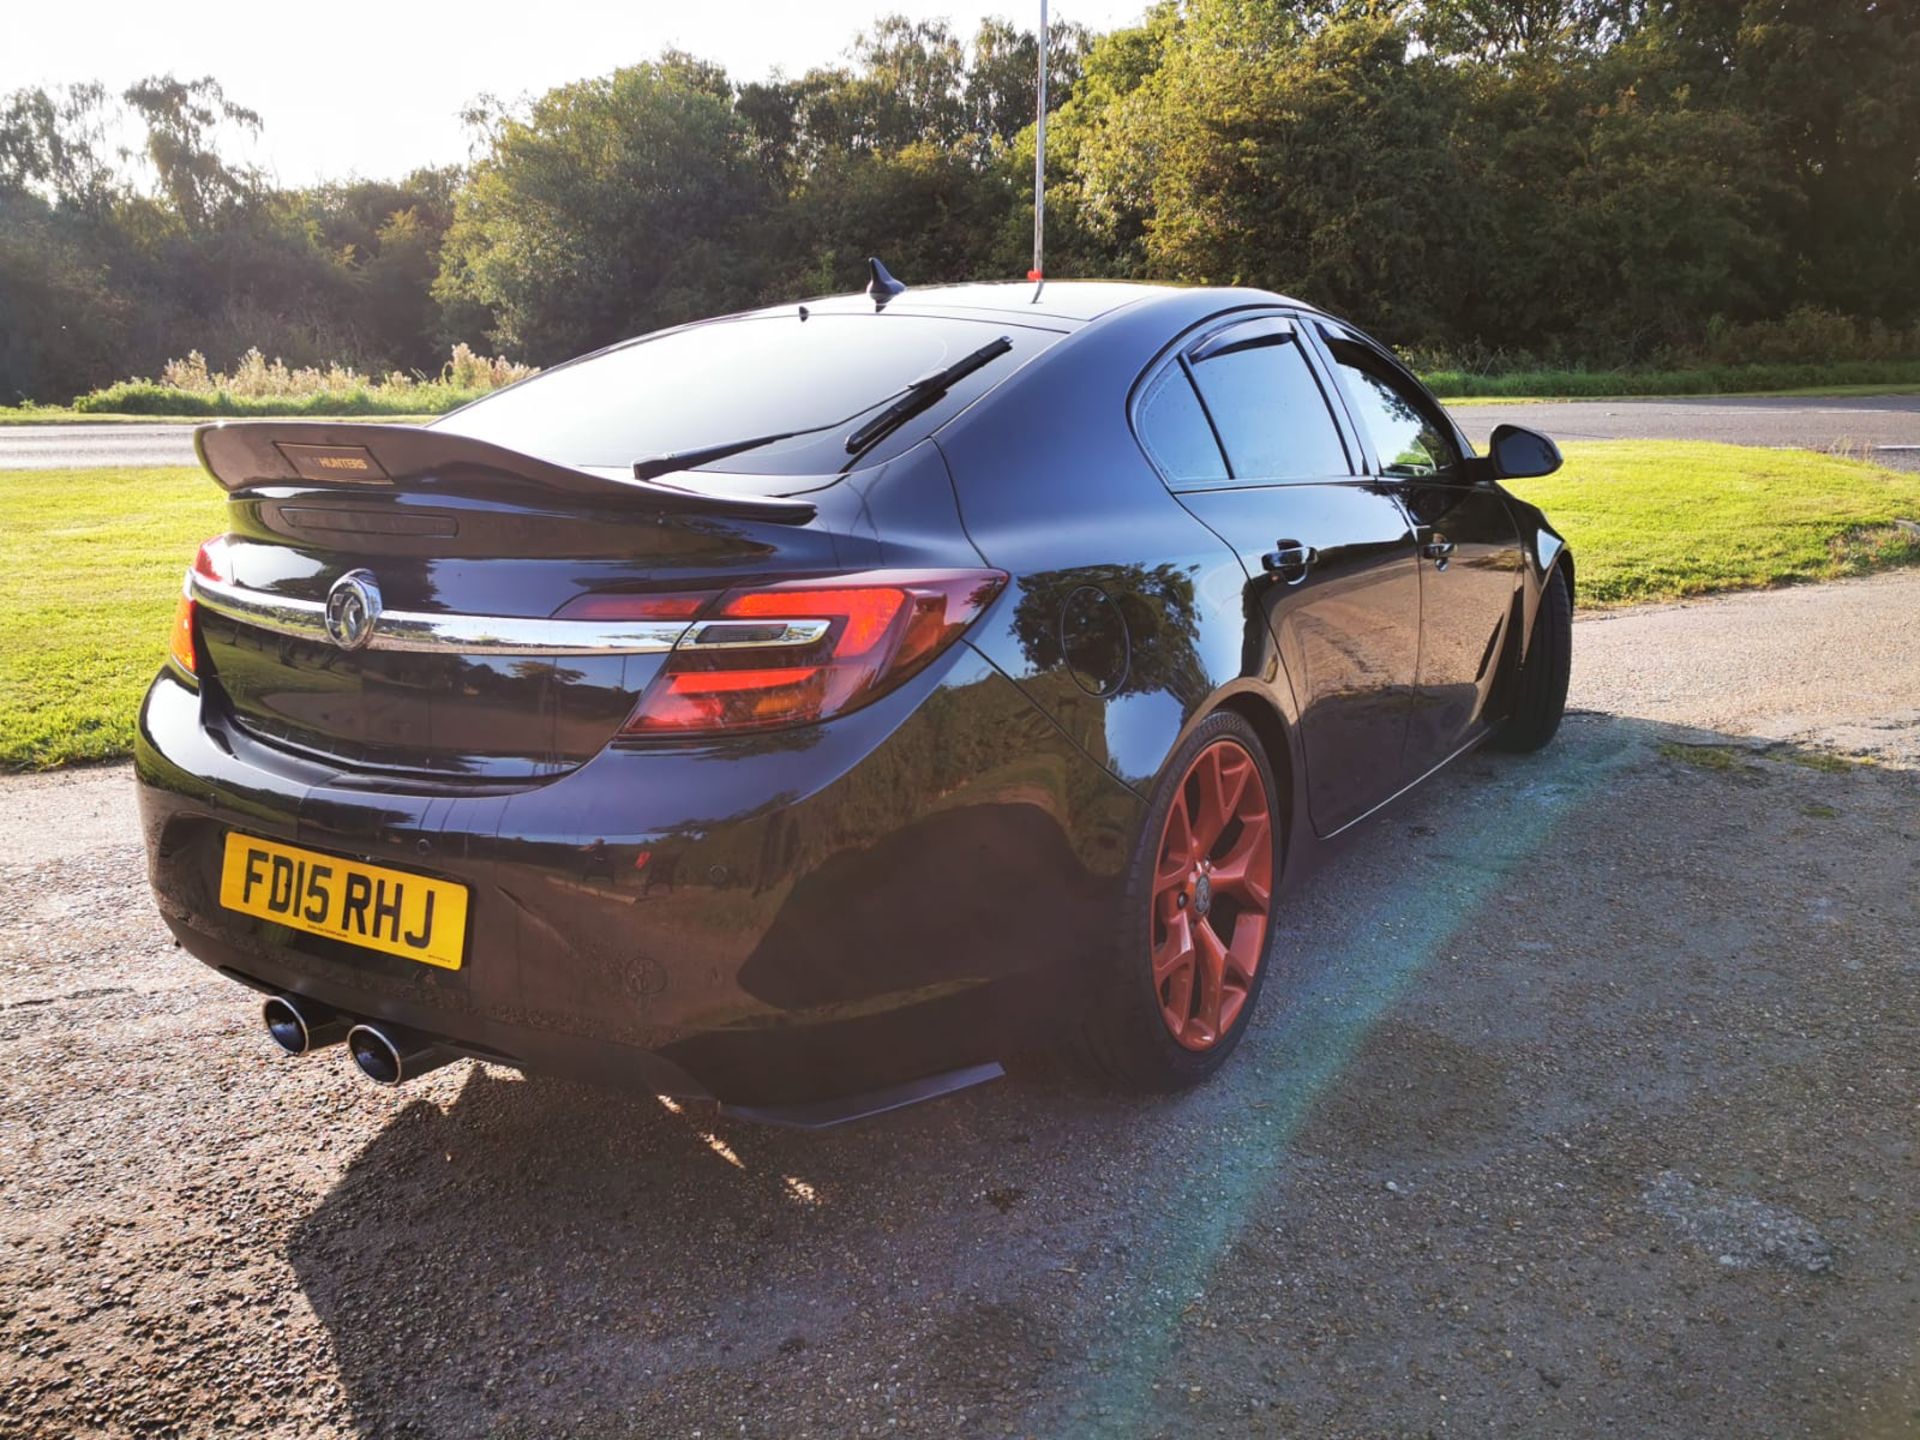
730,379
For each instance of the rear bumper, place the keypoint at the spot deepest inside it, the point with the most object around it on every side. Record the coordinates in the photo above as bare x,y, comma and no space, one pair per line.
902,892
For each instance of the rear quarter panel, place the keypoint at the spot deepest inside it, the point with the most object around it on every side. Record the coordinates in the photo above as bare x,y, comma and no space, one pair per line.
1055,489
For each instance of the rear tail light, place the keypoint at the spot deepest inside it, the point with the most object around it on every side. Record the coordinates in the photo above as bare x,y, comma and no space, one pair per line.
180,638
623,605
209,561
806,650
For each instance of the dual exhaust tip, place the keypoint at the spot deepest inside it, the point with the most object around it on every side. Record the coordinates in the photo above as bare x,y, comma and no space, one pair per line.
385,1054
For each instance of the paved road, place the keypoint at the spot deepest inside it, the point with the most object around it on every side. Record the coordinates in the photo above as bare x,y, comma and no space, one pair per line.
1853,425
1582,1103
1885,428
89,447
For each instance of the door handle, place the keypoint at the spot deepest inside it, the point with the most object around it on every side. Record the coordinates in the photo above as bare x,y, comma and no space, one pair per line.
1290,560
1437,549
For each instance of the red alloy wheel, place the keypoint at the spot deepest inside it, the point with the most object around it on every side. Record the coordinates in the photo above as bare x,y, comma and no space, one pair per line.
1212,883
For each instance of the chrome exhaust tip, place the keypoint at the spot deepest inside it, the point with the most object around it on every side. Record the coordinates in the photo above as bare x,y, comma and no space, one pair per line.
299,1026
388,1055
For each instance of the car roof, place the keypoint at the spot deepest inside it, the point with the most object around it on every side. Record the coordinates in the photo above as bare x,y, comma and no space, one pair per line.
1045,314
1076,302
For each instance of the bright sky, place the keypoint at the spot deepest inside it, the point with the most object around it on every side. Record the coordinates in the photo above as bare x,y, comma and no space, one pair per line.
375,90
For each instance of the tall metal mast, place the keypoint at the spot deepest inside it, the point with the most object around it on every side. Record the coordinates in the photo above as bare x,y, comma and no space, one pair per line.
1040,162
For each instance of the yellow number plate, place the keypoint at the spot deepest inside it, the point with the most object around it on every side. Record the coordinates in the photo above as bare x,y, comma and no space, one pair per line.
385,910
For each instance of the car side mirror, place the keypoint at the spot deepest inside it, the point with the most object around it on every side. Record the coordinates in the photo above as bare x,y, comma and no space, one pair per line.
1520,454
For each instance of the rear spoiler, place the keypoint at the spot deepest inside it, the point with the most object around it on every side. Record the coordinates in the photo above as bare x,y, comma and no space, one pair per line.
246,453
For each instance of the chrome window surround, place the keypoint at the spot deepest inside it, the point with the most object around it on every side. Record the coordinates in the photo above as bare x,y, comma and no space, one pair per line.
421,633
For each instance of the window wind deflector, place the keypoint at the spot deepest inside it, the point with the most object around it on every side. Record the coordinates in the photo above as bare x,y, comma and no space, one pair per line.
924,392
1272,330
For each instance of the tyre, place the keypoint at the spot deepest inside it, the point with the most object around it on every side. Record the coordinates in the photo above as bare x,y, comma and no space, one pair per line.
1187,965
1540,690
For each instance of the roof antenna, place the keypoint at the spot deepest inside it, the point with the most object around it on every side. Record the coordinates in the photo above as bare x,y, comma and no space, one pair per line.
1038,273
880,285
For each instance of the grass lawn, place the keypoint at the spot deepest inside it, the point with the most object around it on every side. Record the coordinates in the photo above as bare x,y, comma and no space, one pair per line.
1659,519
90,568
92,560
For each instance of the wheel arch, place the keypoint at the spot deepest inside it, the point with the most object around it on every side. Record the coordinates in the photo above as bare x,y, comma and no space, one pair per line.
1563,564
1276,739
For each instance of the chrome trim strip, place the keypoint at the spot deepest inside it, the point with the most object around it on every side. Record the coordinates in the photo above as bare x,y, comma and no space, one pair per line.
420,633
304,618
416,632
514,635
793,632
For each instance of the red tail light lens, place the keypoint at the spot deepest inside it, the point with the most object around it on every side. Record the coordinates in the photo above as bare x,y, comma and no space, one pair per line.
795,653
637,605
209,561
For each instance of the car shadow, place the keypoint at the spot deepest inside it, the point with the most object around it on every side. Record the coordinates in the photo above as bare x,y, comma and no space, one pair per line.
524,1256
543,1250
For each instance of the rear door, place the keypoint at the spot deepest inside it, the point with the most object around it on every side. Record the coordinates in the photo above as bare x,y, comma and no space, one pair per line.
1470,561
1241,427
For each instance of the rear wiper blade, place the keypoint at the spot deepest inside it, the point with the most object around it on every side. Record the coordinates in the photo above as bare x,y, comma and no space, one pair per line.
667,464
915,398
924,392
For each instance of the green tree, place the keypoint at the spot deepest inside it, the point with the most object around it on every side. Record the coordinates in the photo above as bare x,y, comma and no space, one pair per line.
1832,88
1313,154
1003,75
1101,149
912,77
609,207
385,238
930,212
53,143
1501,28
182,118
1586,181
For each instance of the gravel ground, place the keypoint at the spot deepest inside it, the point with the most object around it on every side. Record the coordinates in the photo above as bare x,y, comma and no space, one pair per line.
1588,1106
1847,683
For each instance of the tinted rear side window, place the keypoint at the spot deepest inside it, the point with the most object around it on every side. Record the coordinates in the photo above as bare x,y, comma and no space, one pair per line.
731,379
1175,431
1268,408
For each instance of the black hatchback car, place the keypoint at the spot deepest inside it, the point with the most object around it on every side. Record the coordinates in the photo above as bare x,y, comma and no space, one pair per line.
802,709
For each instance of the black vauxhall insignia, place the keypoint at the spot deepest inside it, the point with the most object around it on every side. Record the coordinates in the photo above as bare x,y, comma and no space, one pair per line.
804,708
